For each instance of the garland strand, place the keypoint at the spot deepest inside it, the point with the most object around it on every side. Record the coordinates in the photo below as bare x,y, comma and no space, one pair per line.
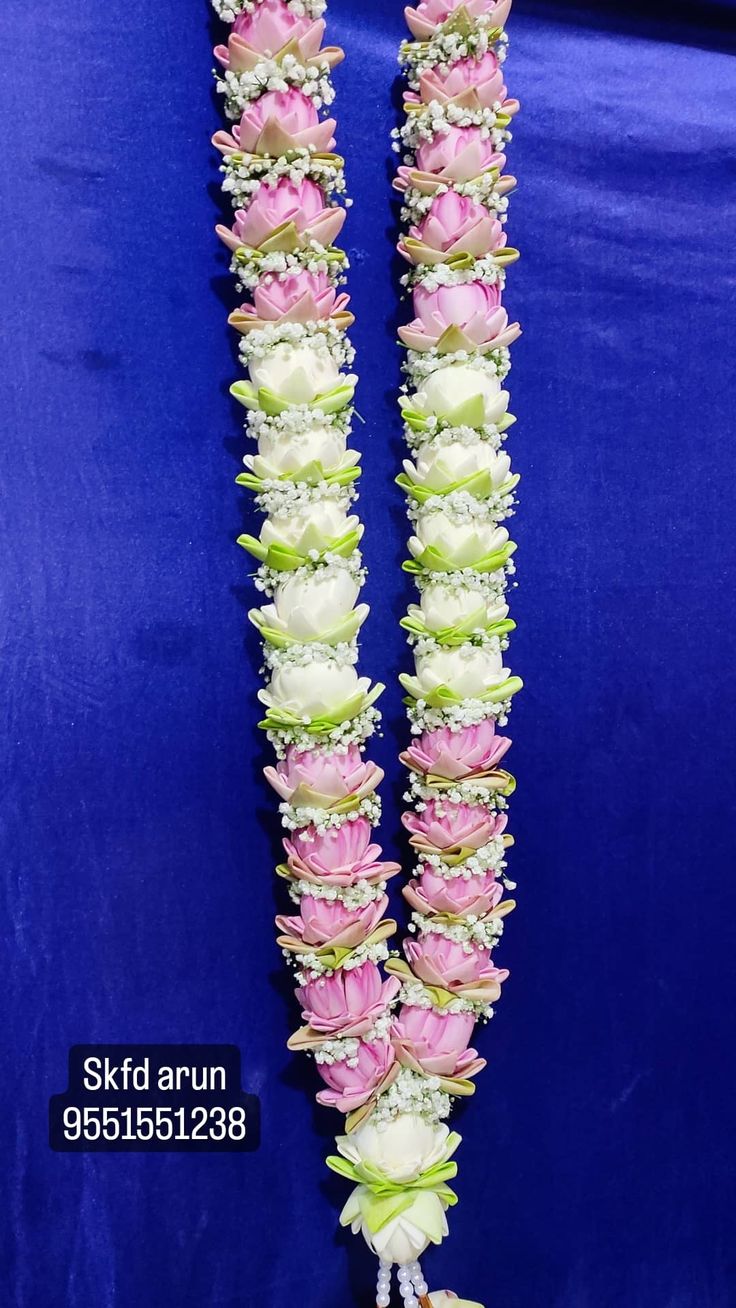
460,489
280,171
393,1076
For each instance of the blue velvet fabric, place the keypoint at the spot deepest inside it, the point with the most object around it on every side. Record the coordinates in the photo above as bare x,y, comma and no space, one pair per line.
139,837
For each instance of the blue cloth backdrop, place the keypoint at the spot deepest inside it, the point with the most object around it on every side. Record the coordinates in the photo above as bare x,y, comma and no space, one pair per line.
138,835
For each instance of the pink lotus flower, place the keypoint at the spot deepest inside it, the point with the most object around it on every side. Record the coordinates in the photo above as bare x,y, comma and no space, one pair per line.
458,221
436,1043
346,1003
454,225
460,154
350,1087
329,922
273,30
457,754
339,856
446,828
458,318
465,970
276,123
471,83
299,208
270,24
428,15
322,779
431,893
295,297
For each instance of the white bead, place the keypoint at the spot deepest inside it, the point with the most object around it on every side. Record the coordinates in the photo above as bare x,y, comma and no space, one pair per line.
415,1268
383,1300
404,1275
421,1287
406,1291
385,1265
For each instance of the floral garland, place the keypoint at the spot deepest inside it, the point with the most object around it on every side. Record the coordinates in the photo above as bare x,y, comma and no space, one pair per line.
460,489
392,1074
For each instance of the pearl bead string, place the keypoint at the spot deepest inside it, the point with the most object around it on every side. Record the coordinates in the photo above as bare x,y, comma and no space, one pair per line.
412,1286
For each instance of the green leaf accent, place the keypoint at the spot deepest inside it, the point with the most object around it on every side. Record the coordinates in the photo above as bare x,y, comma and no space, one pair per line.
381,1200
478,484
281,719
430,560
311,474
442,697
284,558
461,632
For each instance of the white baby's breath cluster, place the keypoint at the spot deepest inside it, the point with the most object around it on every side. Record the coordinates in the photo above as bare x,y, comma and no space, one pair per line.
422,717
420,364
356,897
489,856
240,89
256,344
343,655
432,276
436,119
243,175
444,433
447,46
472,931
281,497
249,266
267,580
228,10
321,819
309,966
462,507
412,1092
354,731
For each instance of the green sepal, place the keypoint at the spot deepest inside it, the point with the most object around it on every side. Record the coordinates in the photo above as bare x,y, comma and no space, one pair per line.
283,558
380,1200
430,560
272,404
471,413
461,632
282,719
312,474
478,484
287,239
442,697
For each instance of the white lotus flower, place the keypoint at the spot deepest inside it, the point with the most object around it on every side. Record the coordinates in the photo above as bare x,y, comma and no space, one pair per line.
279,455
309,527
468,670
462,544
296,373
449,606
312,690
454,385
439,466
401,1149
304,608
407,1236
